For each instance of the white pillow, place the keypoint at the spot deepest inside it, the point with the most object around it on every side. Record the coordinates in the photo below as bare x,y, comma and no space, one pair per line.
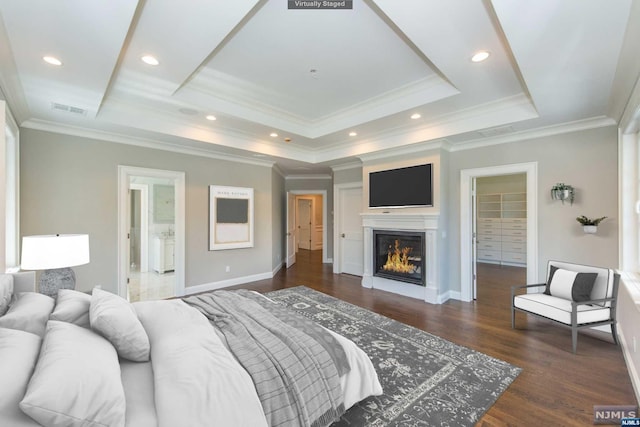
117,321
29,313
76,381
18,353
6,292
73,307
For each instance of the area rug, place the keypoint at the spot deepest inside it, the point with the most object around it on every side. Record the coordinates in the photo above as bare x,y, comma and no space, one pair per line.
426,380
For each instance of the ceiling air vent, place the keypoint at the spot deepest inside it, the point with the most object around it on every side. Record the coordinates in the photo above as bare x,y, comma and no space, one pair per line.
496,131
68,109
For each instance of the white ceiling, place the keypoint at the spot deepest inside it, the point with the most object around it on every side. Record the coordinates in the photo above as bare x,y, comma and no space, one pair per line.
315,75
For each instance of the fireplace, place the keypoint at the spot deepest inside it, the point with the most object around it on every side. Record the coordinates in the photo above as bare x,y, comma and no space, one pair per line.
404,224
399,255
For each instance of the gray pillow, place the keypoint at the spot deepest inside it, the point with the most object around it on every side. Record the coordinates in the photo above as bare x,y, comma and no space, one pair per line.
73,307
29,313
115,319
6,292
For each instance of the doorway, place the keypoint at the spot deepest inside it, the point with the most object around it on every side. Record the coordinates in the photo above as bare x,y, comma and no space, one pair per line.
306,223
468,246
151,241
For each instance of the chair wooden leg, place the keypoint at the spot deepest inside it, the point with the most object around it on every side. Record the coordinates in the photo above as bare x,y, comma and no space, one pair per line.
574,339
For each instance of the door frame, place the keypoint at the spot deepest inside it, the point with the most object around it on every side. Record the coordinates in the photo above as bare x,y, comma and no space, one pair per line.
144,225
337,208
466,220
325,260
124,175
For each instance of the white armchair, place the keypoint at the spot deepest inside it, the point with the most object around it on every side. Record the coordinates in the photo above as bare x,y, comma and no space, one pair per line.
577,296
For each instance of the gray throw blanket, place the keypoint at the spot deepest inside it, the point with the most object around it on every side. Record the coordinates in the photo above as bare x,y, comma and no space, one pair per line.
295,377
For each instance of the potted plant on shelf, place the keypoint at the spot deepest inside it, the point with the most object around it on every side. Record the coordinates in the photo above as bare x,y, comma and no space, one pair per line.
589,225
562,191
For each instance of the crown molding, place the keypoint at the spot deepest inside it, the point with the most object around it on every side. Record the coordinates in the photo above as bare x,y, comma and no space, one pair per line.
279,170
575,126
412,149
346,166
138,142
319,176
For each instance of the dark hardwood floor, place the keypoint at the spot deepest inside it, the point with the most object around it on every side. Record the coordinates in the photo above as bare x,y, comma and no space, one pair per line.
555,388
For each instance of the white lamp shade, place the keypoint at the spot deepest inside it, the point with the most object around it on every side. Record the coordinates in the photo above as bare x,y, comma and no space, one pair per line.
54,251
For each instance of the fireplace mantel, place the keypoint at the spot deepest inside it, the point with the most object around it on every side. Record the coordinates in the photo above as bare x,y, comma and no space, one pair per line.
402,221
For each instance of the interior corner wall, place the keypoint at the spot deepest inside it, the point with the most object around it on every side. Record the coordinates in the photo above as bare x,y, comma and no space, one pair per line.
587,160
69,185
347,176
317,184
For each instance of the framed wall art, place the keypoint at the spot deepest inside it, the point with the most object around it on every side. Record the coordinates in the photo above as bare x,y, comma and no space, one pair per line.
230,217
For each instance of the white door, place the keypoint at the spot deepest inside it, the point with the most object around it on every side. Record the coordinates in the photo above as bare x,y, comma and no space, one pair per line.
304,223
291,230
351,232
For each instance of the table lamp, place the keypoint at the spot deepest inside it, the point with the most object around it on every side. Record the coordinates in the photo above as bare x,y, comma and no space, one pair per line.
55,254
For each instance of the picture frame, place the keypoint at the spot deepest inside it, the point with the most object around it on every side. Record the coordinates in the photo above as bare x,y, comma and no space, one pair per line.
230,217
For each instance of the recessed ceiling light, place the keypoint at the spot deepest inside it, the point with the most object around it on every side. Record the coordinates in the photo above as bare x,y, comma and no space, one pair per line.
415,116
273,134
480,56
211,117
353,134
149,59
52,60
287,139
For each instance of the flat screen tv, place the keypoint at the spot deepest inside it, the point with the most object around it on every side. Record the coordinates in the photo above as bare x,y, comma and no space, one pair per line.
403,187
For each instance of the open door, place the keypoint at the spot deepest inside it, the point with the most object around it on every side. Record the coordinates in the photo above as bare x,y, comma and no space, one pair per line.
291,230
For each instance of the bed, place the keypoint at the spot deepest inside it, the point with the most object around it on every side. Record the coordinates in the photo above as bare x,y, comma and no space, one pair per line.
222,358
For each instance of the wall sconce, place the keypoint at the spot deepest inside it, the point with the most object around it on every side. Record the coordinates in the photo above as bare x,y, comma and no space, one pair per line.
562,192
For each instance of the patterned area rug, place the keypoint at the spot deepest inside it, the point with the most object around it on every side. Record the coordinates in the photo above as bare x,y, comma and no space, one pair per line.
427,381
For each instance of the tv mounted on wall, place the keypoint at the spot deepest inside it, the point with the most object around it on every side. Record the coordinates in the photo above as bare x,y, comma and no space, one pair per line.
403,187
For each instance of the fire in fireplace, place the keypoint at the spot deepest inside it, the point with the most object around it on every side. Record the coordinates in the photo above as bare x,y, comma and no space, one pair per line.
399,255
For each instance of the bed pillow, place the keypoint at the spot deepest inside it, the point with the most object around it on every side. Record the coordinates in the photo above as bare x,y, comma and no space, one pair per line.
29,313
6,292
570,285
116,320
76,381
18,353
73,307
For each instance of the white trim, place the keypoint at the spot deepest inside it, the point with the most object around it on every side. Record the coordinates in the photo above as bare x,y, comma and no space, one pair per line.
628,196
337,208
124,174
634,375
325,260
12,190
347,166
466,258
317,176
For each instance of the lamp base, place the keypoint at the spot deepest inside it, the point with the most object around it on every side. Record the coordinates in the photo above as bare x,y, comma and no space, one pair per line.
57,278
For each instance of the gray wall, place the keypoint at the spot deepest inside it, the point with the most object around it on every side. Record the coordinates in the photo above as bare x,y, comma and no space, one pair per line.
297,184
587,160
69,185
347,176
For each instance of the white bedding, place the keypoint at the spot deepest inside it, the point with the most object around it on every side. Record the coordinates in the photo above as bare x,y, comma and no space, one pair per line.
191,380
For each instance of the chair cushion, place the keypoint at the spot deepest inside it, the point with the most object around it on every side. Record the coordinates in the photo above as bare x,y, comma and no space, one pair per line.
570,285
559,309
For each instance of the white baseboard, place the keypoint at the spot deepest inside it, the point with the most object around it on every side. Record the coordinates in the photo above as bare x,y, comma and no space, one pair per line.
276,269
633,374
226,283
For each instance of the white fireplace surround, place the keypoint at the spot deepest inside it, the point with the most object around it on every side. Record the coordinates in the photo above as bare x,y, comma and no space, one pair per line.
427,223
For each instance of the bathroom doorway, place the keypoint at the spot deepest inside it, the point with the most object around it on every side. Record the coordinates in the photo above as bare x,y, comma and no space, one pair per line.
151,240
